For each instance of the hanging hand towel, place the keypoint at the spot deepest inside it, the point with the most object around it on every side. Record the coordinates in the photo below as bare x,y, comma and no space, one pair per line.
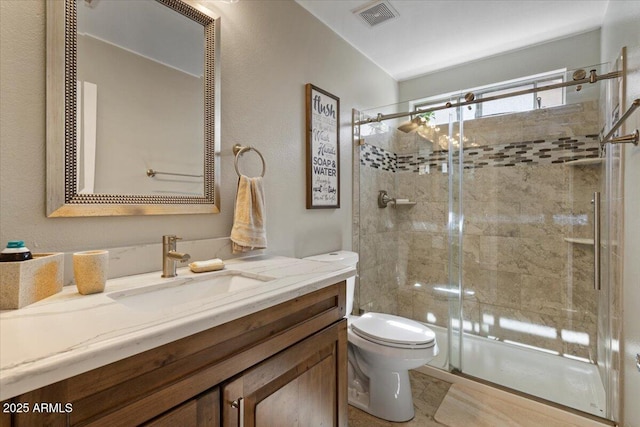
249,230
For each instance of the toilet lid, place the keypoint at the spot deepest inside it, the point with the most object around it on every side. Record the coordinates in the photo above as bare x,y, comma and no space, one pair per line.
393,331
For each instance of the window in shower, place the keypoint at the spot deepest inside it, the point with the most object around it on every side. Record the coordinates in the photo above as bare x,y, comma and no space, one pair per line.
526,102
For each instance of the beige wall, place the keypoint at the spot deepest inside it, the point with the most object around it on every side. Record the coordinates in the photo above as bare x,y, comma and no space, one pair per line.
620,28
270,50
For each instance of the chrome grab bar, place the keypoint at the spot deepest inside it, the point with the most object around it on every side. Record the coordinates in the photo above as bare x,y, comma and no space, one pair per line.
596,240
633,137
151,173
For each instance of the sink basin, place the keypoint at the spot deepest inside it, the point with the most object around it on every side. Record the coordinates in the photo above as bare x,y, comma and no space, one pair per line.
179,295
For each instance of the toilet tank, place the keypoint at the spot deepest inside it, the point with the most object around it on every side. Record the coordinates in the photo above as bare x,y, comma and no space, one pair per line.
347,258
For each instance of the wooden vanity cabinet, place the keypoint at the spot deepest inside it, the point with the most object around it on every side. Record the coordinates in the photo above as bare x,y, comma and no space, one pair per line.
201,411
282,366
296,388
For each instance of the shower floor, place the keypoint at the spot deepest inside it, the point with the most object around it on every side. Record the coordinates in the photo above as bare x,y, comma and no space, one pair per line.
558,379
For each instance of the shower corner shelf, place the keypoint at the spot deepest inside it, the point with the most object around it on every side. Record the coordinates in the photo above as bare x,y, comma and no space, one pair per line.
579,241
585,162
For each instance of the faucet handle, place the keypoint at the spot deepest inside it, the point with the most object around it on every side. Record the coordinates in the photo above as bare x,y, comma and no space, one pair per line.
170,238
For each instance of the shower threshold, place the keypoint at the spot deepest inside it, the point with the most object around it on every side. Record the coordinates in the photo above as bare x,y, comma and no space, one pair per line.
561,380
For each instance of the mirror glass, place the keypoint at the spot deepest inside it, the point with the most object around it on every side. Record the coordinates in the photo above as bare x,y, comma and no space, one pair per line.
140,99
140,108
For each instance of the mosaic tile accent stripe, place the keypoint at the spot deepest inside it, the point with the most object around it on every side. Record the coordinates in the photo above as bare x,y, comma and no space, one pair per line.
378,158
537,152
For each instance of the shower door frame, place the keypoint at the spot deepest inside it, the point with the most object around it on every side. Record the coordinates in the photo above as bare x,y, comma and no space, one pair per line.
607,277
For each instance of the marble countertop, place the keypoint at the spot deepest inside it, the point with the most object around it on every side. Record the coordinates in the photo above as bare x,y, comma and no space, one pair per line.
68,333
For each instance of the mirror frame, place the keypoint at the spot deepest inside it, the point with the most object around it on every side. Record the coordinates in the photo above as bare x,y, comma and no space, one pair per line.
63,199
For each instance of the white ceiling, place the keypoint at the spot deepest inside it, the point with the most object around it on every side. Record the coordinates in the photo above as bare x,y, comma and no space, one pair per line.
430,35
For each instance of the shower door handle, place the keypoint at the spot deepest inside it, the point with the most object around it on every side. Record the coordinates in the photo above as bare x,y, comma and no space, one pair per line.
596,240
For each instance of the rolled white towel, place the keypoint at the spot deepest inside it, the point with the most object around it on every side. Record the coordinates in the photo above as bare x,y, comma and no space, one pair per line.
209,265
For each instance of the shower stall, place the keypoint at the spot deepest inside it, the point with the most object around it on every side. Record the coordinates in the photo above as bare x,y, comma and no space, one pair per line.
482,227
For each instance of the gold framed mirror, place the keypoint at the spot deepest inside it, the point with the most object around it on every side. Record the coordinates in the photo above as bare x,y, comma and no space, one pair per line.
172,171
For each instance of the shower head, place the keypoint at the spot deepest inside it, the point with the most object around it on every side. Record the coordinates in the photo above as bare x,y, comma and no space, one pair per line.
410,125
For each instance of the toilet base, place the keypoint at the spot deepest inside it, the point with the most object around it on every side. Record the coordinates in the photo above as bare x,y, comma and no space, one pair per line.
389,396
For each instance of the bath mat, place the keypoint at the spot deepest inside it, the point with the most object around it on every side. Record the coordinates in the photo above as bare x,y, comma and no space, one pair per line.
464,406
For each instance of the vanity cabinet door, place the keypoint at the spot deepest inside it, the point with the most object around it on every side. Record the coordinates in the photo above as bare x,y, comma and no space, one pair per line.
304,385
202,411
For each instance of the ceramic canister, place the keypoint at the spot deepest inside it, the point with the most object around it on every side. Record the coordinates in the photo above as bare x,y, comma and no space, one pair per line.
90,269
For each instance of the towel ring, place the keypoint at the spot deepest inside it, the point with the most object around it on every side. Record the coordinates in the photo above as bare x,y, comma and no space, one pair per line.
238,150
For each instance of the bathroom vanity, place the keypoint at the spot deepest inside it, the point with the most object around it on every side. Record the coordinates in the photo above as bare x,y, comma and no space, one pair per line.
272,354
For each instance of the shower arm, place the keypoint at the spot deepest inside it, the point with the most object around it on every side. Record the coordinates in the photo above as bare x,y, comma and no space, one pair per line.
592,78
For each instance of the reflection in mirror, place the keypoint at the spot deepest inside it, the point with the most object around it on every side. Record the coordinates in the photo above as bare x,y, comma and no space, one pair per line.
143,108
140,96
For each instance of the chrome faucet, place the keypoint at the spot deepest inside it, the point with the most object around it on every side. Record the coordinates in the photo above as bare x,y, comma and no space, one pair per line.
170,257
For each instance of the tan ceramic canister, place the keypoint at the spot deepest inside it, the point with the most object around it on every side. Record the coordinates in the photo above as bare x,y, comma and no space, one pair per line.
90,269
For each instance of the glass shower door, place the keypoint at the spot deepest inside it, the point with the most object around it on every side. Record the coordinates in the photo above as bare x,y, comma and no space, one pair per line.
455,225
521,228
404,246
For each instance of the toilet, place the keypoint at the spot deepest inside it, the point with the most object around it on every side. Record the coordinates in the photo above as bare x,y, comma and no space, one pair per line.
381,350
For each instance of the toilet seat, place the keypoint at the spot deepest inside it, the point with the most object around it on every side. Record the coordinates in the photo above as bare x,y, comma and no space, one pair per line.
393,331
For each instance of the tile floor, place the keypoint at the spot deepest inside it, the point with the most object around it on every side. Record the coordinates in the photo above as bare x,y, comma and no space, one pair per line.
462,406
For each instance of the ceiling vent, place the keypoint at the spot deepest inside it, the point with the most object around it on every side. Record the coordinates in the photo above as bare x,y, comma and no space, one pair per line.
376,13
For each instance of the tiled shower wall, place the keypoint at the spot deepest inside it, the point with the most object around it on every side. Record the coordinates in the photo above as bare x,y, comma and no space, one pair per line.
522,281
378,235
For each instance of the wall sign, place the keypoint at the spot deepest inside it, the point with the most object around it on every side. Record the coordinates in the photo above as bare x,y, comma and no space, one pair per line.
323,149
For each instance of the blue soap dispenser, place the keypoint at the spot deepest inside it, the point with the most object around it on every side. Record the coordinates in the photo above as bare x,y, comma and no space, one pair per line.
15,251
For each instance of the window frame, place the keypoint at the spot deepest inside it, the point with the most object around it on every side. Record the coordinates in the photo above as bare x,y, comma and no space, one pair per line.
537,80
